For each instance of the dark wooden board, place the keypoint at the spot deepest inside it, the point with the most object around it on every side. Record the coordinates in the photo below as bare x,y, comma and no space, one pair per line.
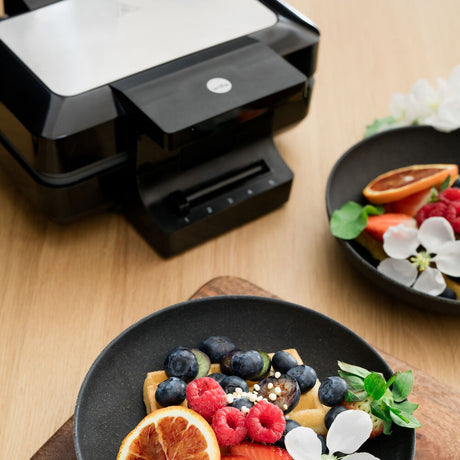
439,438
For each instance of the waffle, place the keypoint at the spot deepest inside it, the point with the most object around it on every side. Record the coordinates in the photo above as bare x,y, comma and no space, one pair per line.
309,411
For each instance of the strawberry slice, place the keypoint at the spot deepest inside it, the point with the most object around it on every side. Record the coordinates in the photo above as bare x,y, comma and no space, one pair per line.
257,451
411,204
378,225
365,405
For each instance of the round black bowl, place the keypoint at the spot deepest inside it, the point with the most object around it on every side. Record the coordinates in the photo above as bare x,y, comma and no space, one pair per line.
372,157
110,402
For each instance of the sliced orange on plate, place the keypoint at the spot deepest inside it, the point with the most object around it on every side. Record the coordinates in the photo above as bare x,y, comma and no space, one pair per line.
174,432
400,183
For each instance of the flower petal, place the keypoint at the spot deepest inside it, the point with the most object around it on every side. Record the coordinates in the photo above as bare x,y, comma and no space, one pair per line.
426,98
400,241
349,430
361,456
434,232
430,281
303,444
448,258
399,270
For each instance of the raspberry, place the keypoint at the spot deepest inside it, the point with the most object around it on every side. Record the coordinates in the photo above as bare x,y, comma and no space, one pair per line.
447,206
205,396
265,422
451,194
229,424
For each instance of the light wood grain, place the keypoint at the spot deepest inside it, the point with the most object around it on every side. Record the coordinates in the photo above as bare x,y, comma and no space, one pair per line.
67,291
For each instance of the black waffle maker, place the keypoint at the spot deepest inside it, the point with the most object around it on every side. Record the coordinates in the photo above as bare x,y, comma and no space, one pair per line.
163,110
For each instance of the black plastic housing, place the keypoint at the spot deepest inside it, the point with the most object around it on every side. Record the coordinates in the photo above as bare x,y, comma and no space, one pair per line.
182,176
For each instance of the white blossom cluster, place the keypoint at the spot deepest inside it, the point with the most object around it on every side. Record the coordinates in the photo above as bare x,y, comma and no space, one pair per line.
424,104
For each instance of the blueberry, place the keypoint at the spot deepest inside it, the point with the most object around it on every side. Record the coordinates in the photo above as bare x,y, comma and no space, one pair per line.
448,294
182,363
171,392
247,364
266,367
288,395
290,425
218,377
282,361
239,403
225,362
204,363
332,414
456,183
216,347
332,391
305,376
231,382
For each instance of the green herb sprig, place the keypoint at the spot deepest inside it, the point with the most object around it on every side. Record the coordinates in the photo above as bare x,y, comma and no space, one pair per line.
389,398
351,219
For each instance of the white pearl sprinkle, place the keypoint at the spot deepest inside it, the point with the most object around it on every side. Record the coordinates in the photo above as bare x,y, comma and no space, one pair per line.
252,398
285,406
256,387
277,375
270,386
238,390
229,399
278,390
272,396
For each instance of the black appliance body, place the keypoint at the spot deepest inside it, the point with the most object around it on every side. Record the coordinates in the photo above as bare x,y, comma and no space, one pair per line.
175,129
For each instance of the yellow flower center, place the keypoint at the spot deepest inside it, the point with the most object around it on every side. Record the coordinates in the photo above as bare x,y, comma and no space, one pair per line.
421,260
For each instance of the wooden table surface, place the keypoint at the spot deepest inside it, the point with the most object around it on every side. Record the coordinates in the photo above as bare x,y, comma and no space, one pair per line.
65,292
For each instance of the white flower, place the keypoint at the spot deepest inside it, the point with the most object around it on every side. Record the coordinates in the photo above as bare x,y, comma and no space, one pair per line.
424,104
421,102
421,269
349,430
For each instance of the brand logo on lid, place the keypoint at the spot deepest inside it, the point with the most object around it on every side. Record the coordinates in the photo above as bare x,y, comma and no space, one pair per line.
219,85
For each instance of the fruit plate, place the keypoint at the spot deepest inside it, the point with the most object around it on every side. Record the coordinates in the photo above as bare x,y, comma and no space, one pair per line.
110,405
372,157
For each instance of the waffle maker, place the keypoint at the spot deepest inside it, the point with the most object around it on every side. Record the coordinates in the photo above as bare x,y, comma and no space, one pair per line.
163,110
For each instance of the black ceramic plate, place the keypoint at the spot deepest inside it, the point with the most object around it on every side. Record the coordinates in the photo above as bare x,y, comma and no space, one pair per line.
372,157
110,403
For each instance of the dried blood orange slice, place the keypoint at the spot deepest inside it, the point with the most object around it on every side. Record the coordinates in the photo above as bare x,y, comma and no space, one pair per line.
399,183
174,432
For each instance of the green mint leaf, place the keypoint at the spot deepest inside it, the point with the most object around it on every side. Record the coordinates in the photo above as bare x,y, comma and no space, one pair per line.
405,407
358,396
446,183
351,219
354,370
372,210
348,221
378,125
375,385
433,195
405,420
402,385
387,428
354,382
381,411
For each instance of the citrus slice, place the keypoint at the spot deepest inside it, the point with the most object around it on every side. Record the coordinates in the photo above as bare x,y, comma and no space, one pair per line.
173,432
400,183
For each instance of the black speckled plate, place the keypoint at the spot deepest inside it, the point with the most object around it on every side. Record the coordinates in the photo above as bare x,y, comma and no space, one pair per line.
372,157
110,402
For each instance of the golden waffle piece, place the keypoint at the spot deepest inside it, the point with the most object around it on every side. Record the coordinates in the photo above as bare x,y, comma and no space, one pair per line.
309,411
